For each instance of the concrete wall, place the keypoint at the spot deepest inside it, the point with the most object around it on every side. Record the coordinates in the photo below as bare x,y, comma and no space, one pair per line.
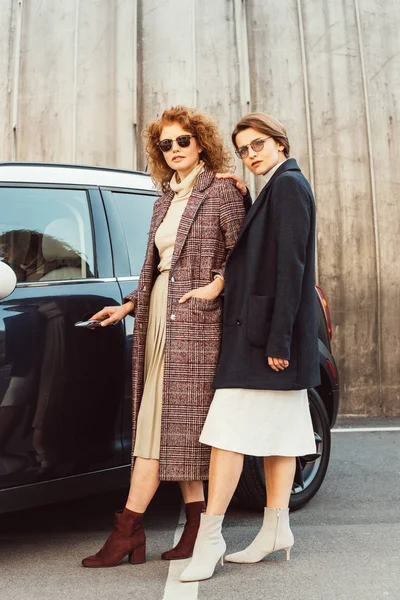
80,78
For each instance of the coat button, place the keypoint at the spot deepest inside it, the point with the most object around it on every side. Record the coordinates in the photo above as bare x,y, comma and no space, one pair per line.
144,288
173,279
173,317
238,322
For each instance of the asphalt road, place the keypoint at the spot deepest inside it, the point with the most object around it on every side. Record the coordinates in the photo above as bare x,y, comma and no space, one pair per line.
346,540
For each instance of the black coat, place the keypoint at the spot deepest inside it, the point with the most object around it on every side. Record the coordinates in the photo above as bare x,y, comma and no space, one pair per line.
269,307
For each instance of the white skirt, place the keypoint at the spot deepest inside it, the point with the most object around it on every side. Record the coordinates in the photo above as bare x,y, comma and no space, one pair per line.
260,422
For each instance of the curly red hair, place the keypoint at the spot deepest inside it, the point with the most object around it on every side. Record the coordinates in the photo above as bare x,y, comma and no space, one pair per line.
215,154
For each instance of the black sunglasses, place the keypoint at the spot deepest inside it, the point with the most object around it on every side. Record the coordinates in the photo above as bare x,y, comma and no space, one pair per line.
256,145
183,141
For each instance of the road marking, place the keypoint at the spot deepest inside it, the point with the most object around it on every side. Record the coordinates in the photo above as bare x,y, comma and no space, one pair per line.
363,429
174,588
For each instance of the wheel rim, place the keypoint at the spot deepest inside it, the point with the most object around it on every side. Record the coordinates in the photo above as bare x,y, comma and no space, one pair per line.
309,468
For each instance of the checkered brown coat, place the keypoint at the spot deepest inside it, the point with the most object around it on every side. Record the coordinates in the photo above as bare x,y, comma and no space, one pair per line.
207,231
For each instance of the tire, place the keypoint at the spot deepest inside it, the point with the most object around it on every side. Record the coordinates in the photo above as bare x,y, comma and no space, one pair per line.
310,471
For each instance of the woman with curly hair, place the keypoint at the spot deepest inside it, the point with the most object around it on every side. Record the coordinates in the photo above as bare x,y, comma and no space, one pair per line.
178,321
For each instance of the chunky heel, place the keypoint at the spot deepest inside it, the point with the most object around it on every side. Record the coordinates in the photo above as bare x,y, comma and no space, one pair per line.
126,538
221,561
138,555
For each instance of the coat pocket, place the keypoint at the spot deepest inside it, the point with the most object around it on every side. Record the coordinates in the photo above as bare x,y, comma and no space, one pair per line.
206,311
259,315
203,304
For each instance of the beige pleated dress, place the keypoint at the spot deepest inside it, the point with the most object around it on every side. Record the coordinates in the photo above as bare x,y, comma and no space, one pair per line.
148,432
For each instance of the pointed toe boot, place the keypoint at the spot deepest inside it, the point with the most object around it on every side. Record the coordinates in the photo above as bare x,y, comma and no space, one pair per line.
126,538
274,535
208,550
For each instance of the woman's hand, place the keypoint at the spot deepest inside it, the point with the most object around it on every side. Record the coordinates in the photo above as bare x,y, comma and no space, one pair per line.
278,364
240,184
207,292
111,315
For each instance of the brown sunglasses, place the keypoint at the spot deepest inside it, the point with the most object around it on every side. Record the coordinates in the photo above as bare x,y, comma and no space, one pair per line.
183,141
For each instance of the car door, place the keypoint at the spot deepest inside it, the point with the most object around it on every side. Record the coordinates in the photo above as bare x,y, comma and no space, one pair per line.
60,387
129,216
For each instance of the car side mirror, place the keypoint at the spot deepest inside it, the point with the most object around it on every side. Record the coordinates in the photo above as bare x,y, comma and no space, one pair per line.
8,280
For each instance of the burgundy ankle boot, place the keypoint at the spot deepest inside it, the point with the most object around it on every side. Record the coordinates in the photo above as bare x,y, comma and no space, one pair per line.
127,537
184,548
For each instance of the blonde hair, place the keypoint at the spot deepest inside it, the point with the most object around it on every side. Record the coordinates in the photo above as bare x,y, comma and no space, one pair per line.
215,154
264,124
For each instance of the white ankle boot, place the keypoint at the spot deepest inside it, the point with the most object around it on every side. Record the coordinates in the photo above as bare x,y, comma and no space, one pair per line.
208,550
275,534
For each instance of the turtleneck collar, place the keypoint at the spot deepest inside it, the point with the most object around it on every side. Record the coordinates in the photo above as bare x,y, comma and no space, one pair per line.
182,188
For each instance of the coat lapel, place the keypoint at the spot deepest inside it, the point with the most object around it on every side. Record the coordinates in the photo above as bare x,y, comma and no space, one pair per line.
165,203
159,214
288,165
196,199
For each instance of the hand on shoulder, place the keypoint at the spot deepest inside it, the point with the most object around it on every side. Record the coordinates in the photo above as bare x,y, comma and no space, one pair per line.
237,181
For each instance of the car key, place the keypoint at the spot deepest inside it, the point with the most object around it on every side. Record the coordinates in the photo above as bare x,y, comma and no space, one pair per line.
91,324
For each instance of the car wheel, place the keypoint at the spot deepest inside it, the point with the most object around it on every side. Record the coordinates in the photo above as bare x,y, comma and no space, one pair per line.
310,471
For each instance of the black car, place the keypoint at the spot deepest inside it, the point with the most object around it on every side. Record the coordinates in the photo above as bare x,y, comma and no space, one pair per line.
72,240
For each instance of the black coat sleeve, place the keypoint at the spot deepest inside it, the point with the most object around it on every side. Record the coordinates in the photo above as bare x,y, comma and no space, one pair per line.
247,201
291,217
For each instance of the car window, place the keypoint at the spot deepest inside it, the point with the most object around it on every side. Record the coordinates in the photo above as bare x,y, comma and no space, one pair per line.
135,212
46,234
